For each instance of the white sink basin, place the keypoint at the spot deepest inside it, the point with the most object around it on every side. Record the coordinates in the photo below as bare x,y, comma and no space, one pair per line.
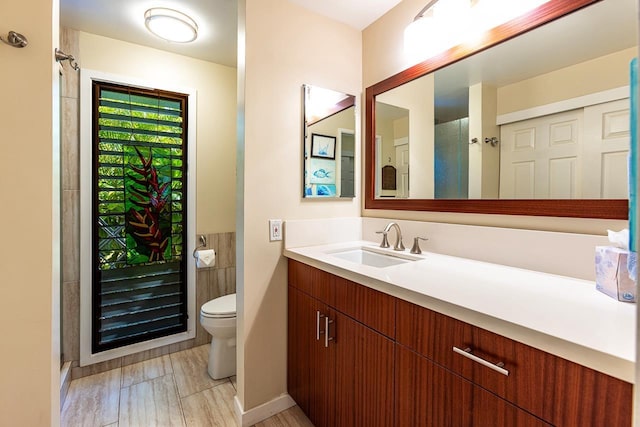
371,258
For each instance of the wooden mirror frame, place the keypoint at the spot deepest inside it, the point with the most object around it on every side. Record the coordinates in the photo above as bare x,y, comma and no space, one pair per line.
583,208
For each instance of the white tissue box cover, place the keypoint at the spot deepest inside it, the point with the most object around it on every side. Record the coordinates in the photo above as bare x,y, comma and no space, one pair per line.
612,275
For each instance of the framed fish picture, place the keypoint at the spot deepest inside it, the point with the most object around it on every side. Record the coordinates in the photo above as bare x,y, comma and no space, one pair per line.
322,171
323,146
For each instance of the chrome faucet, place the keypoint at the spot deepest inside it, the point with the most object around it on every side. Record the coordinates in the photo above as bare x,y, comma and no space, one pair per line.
385,243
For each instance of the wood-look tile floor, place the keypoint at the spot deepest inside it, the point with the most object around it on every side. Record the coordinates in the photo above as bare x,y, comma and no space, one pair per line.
171,390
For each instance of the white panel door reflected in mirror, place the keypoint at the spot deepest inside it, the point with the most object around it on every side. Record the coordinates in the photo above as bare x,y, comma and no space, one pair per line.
329,123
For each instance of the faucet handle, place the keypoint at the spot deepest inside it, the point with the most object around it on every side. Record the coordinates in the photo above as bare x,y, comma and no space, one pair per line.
416,245
385,242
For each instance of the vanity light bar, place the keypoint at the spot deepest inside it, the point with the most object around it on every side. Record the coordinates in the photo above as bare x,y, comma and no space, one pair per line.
442,24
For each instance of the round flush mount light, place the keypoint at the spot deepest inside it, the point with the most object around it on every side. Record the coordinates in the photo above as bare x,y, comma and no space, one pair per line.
170,25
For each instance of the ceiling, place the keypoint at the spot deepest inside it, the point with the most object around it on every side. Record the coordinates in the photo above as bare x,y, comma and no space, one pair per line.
356,13
216,19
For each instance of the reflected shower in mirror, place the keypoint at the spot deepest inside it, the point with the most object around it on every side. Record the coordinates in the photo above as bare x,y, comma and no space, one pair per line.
328,143
544,115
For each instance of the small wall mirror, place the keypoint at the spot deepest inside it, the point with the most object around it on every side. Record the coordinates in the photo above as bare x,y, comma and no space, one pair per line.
328,142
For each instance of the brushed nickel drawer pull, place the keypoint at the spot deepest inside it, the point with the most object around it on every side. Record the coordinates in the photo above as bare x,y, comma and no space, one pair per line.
327,322
318,331
498,367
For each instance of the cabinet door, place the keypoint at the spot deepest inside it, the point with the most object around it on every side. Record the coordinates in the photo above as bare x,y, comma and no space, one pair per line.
322,371
425,393
364,374
428,395
311,365
299,346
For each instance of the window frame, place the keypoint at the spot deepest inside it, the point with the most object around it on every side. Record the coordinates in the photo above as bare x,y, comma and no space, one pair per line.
87,356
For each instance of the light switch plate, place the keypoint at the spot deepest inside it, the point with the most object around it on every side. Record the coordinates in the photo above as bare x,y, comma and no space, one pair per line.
275,230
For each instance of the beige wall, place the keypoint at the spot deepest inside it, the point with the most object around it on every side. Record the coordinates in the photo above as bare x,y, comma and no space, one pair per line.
401,127
216,115
329,126
600,74
382,57
484,160
383,43
386,129
29,285
417,97
279,38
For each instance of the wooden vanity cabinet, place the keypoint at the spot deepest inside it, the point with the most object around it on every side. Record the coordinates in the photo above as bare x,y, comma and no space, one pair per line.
340,370
387,362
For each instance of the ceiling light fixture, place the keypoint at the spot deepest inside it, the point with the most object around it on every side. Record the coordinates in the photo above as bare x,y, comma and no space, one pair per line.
170,25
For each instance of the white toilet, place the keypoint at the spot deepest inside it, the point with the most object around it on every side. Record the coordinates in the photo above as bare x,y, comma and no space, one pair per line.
218,318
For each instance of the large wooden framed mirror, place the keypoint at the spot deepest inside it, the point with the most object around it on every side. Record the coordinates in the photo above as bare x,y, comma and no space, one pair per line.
508,79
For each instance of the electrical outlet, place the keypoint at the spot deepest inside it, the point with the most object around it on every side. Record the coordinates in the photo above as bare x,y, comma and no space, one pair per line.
275,230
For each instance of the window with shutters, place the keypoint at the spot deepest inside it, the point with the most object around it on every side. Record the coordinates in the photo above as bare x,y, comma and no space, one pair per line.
139,271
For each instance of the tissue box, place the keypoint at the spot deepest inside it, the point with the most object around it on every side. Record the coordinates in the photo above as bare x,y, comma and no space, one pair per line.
612,275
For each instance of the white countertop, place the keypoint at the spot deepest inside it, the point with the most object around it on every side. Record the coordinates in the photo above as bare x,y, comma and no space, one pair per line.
561,315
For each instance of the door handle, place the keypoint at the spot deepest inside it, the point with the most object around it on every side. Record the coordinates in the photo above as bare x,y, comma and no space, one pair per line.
327,322
318,331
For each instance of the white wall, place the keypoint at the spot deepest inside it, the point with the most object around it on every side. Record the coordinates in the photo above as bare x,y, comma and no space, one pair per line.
216,115
286,47
29,285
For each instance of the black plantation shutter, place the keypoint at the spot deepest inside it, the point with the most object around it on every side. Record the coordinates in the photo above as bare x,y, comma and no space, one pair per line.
139,215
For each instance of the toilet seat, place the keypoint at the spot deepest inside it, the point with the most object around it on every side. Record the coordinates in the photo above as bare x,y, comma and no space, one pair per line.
220,308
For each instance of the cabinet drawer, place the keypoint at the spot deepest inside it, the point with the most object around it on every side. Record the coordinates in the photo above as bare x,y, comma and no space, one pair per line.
557,390
434,335
315,282
428,395
548,386
368,306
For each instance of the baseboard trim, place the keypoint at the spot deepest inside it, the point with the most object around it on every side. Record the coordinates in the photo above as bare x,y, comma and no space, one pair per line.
262,412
